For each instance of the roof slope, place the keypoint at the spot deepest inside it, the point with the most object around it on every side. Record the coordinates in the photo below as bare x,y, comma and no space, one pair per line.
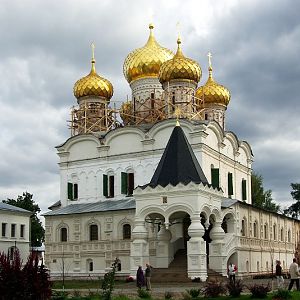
178,163
101,206
8,207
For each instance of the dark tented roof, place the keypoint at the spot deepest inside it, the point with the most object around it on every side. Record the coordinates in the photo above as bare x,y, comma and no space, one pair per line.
178,163
55,205
101,206
8,207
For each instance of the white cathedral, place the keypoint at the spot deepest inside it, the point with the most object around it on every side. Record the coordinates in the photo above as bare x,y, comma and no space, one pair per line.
159,180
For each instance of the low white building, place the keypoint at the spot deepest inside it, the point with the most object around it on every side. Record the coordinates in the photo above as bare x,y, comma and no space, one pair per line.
147,190
15,230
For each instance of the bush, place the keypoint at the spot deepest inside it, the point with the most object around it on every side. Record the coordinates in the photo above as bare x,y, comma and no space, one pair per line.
121,297
108,282
259,290
57,295
213,289
31,282
194,293
143,294
235,288
282,294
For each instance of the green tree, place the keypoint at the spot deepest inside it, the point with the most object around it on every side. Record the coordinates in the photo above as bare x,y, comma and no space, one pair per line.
260,197
294,209
26,202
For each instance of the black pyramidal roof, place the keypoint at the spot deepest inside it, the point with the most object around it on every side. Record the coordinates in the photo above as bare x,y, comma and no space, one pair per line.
178,163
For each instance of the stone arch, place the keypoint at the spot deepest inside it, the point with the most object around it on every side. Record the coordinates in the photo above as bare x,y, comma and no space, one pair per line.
228,222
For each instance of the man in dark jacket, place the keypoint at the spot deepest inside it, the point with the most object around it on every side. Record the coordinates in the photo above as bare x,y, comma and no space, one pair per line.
148,274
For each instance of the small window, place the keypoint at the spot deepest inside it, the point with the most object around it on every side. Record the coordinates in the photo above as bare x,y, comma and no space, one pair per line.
266,231
22,230
127,183
63,234
230,185
244,190
91,266
215,178
126,232
13,230
72,191
4,229
289,236
274,232
281,234
243,230
93,232
206,116
255,229
108,186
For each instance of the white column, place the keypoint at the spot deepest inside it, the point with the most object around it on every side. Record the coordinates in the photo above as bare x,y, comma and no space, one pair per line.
196,252
163,247
217,257
139,248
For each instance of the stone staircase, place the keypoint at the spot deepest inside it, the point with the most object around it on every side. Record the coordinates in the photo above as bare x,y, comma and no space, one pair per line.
177,271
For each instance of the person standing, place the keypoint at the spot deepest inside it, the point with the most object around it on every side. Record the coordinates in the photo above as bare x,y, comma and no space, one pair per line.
294,273
231,272
140,279
278,273
148,274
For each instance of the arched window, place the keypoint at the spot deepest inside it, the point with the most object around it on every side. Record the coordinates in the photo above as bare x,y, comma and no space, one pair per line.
91,266
244,229
289,236
63,234
126,232
255,229
93,232
274,232
266,231
281,234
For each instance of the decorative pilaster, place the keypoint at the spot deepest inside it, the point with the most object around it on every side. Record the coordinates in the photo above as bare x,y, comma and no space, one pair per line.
196,252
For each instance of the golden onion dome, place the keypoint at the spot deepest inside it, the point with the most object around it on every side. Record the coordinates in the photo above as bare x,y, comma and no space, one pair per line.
212,92
146,61
93,84
180,67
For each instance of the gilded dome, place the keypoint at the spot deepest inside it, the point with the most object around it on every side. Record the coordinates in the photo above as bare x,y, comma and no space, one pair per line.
212,92
93,85
146,61
180,67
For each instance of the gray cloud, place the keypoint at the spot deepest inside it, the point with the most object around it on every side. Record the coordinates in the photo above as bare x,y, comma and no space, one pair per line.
45,48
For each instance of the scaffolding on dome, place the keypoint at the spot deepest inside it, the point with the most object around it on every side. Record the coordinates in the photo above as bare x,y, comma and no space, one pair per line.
91,117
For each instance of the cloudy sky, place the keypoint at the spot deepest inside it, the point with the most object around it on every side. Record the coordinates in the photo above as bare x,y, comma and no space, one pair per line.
45,48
